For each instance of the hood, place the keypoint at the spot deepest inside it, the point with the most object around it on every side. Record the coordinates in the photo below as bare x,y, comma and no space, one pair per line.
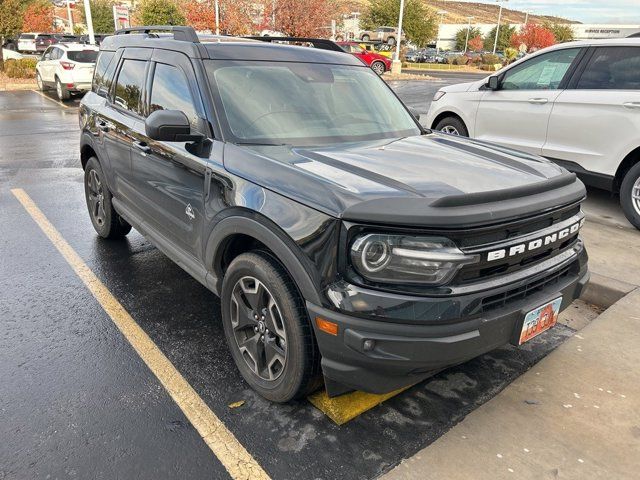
464,87
406,181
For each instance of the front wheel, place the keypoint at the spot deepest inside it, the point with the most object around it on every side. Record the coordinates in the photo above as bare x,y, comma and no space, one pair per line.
40,82
365,38
452,126
378,67
267,328
630,195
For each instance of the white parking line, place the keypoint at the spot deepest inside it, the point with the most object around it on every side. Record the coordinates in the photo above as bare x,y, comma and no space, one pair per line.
52,100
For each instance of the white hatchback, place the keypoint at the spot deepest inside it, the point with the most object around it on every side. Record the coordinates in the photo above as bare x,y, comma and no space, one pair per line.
577,104
67,67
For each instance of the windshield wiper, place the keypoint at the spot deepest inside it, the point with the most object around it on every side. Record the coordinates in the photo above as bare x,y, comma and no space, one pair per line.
262,144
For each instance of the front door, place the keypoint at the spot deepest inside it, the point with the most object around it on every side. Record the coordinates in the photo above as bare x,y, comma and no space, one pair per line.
169,176
517,114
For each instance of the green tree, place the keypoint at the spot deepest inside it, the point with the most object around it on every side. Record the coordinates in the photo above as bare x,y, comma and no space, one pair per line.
461,36
101,15
159,12
419,22
561,31
504,38
10,20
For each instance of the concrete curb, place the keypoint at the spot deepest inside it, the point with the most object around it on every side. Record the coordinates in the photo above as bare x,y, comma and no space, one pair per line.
604,291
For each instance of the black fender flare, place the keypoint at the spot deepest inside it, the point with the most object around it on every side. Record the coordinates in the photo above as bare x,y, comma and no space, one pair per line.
282,246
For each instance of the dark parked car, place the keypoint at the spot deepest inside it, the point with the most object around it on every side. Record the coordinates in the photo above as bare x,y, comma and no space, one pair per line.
98,37
342,238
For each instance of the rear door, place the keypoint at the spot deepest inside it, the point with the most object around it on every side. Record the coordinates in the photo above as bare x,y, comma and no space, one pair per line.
595,123
169,176
119,117
517,115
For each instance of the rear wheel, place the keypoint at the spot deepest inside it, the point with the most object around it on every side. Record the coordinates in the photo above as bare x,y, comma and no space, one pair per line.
452,126
61,91
267,328
365,38
391,41
106,221
630,195
40,83
378,67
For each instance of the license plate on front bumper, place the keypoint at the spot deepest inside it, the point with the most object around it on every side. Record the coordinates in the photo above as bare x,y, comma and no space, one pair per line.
539,320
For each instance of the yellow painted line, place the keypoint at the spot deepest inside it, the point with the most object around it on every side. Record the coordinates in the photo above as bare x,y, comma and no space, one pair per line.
346,407
235,458
51,99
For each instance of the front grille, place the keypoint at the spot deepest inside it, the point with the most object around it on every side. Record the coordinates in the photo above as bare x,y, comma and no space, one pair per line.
500,300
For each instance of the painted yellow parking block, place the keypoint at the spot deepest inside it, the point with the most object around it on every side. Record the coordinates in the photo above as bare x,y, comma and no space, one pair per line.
346,407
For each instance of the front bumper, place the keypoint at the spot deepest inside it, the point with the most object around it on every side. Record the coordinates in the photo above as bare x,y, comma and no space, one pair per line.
429,334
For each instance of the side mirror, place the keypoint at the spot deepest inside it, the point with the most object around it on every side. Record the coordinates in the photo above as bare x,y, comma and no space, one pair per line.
170,126
414,112
493,83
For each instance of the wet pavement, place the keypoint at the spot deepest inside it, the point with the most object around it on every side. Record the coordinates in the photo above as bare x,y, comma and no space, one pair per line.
77,401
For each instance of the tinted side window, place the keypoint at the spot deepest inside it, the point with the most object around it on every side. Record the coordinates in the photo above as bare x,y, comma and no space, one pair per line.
129,85
170,91
544,72
612,68
104,71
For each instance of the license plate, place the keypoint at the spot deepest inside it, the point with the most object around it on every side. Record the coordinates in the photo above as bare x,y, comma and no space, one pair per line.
540,320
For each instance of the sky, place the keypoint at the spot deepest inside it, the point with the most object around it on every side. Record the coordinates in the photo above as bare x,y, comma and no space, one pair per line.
585,11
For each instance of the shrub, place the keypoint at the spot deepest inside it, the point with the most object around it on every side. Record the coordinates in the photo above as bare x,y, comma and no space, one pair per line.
22,68
490,59
457,60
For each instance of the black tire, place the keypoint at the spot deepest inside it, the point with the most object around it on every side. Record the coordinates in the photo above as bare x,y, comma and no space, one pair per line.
299,375
61,91
106,221
629,189
453,126
378,67
391,41
365,38
40,83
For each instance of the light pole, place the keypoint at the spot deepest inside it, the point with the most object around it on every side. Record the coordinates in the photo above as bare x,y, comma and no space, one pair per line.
466,41
217,8
526,16
70,16
442,13
495,42
396,65
87,16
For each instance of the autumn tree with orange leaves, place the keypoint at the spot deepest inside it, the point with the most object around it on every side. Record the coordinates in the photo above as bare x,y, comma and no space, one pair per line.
476,43
302,18
235,16
534,37
38,17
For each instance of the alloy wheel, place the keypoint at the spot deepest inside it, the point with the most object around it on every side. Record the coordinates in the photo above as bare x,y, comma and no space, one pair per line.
59,89
635,196
450,129
378,67
96,198
258,328
39,81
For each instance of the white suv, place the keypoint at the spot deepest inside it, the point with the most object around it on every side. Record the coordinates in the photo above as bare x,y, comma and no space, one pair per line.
67,67
576,103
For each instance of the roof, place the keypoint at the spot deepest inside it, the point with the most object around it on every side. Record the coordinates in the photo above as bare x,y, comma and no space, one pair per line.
74,46
229,48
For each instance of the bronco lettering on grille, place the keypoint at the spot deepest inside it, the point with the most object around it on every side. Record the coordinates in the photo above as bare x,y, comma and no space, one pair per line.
534,244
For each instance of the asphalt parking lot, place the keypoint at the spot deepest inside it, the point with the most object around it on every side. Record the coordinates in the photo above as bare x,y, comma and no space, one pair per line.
78,401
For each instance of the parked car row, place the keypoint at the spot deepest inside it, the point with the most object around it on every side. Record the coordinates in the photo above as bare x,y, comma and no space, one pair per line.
39,42
577,104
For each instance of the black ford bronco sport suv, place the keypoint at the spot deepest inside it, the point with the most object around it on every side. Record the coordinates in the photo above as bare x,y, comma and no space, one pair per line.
343,238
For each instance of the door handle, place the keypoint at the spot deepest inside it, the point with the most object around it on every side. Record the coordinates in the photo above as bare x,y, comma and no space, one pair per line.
538,101
632,105
142,146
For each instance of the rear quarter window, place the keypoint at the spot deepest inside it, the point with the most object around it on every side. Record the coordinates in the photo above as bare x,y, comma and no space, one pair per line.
83,56
27,36
103,74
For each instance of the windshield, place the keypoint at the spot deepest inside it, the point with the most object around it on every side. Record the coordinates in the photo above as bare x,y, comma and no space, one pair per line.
306,103
84,56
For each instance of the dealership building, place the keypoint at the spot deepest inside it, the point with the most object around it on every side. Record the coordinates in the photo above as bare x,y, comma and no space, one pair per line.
447,32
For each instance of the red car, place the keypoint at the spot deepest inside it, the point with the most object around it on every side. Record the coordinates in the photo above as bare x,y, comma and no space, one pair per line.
378,63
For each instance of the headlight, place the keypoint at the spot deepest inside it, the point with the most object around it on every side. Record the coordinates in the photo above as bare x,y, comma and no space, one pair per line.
439,94
407,259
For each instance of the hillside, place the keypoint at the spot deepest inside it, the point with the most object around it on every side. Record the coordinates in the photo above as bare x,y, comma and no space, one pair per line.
457,12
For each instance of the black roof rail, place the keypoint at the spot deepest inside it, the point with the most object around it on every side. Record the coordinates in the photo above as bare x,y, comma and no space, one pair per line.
185,34
320,43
